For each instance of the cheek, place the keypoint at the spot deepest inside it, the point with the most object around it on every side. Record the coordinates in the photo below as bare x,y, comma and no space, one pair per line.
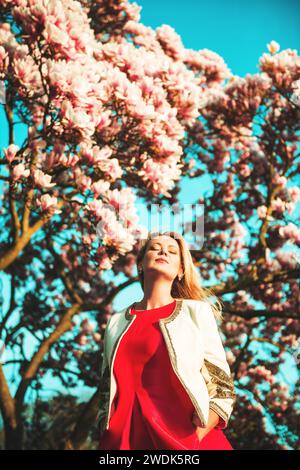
174,264
151,255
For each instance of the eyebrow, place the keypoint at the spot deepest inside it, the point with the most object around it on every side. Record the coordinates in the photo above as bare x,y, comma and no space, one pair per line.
174,246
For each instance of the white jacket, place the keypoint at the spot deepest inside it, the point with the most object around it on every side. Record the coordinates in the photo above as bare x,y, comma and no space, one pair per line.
196,352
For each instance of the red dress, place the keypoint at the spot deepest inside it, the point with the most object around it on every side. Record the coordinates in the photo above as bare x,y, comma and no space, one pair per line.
151,409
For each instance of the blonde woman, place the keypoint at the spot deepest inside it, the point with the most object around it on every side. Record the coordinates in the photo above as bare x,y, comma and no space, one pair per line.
166,383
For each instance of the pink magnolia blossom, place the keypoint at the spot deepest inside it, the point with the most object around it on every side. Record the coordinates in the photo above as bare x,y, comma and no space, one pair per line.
287,259
294,193
278,205
100,187
11,151
82,340
95,155
262,211
96,207
290,232
290,206
88,238
279,180
111,168
82,181
273,47
245,170
160,175
105,261
42,180
86,326
76,119
97,337
47,202
4,60
119,199
27,73
20,171
68,161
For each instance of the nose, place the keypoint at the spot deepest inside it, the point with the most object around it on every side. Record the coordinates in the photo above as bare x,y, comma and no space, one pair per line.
163,251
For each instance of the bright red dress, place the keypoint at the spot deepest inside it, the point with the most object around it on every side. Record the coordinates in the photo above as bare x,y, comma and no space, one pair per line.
151,409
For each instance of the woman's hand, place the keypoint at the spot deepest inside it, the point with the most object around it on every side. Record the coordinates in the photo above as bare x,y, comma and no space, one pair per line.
201,432
212,422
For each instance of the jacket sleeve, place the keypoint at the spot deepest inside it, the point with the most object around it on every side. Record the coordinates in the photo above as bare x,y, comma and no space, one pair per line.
215,369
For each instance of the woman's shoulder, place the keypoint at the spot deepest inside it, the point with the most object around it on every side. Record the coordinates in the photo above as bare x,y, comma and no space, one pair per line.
196,303
199,310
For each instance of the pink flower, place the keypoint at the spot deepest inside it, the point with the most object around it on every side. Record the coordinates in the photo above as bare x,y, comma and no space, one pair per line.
294,193
54,34
86,326
81,339
287,259
42,180
160,175
262,212
290,232
290,207
112,168
83,182
245,170
97,337
10,152
100,187
68,161
4,59
278,205
96,207
192,163
123,198
105,262
26,72
273,47
279,180
19,171
47,202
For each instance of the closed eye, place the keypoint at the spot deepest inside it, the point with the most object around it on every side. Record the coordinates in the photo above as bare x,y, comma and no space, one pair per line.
157,247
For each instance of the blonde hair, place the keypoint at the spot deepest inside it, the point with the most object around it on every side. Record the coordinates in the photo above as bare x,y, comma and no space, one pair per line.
189,286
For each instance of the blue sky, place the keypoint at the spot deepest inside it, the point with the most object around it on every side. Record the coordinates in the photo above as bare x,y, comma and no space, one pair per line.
237,30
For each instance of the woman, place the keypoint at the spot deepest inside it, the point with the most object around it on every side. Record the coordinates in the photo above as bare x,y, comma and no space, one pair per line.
166,383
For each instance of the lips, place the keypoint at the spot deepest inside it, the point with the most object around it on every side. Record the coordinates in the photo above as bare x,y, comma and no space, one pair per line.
162,260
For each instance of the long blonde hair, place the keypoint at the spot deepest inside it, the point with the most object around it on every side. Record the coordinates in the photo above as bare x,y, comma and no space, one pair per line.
189,286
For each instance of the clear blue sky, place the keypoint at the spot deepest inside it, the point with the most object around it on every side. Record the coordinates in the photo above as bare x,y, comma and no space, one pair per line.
238,30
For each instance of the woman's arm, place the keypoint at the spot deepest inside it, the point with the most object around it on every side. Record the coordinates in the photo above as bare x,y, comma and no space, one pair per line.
215,369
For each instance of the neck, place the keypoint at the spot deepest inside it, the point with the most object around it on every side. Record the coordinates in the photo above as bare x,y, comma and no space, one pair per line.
156,294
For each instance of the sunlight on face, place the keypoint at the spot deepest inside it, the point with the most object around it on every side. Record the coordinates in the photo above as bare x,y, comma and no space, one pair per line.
162,247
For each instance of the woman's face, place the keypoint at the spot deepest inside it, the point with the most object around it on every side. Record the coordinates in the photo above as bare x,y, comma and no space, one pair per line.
165,248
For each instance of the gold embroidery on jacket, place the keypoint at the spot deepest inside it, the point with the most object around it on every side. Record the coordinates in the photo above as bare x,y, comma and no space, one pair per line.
219,383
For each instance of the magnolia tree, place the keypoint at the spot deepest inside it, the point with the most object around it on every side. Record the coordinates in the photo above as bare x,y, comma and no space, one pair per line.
100,110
